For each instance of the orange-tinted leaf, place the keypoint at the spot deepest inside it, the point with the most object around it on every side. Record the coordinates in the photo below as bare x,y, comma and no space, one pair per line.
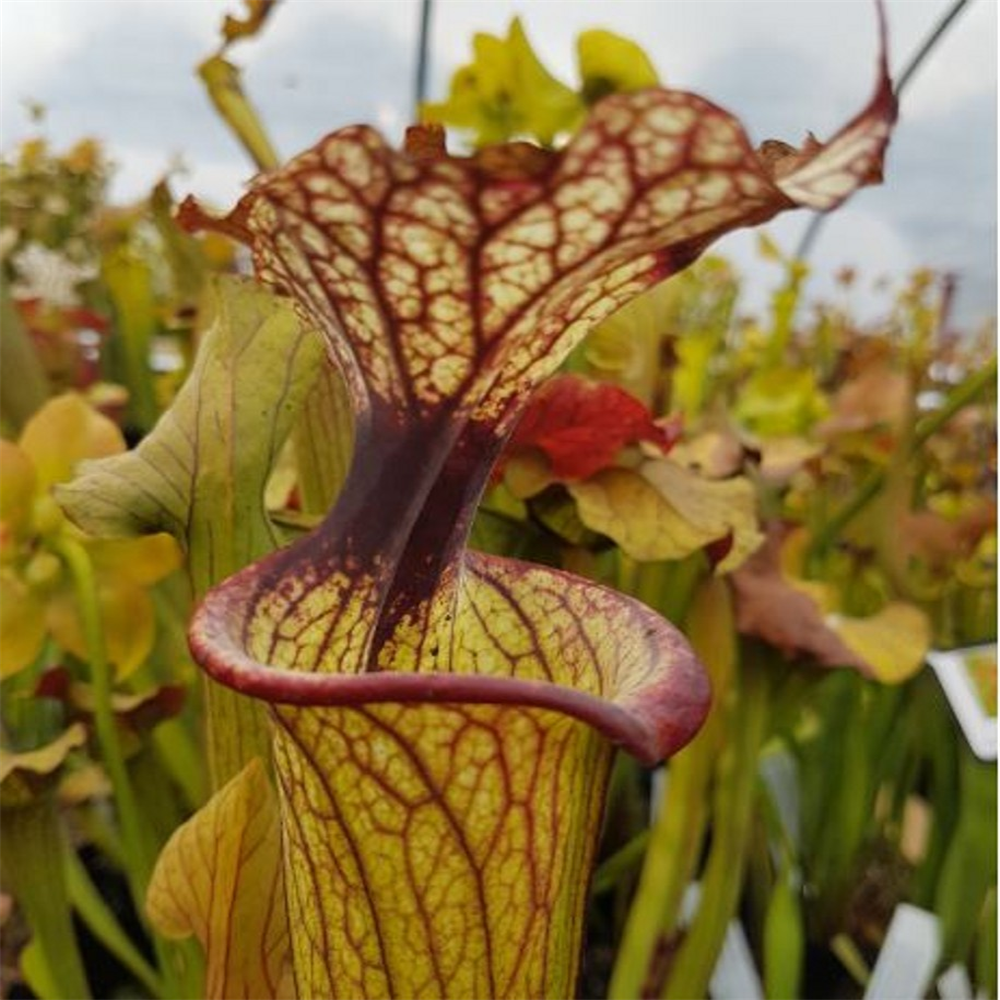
876,397
581,426
246,27
939,540
785,617
219,878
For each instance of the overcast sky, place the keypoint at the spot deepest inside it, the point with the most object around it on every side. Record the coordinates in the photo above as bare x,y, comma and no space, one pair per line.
122,70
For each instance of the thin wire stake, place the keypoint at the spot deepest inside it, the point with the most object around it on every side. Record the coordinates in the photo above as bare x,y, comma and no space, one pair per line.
423,57
916,60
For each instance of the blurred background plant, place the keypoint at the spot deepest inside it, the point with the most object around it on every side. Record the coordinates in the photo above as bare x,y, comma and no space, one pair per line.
812,500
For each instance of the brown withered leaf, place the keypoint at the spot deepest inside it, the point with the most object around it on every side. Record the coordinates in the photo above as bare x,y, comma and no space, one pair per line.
768,607
937,539
802,618
25,774
258,11
876,397
136,712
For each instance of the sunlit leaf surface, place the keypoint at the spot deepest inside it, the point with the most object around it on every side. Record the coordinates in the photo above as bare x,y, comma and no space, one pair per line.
506,92
663,511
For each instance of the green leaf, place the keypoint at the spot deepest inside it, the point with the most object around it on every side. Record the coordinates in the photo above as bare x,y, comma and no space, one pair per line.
129,280
38,973
780,401
200,475
970,869
324,442
103,924
784,938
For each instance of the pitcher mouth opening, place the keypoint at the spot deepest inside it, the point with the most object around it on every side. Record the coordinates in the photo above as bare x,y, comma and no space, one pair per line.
651,721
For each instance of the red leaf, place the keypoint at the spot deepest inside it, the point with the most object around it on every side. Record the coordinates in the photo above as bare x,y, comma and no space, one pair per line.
582,426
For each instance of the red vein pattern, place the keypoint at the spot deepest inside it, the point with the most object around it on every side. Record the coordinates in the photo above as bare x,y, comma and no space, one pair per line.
443,718
220,879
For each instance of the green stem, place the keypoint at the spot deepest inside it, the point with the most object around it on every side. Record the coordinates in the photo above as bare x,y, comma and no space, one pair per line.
677,835
723,878
94,912
32,843
134,839
139,851
623,860
236,732
225,90
961,396
671,856
236,726
851,959
129,281
181,759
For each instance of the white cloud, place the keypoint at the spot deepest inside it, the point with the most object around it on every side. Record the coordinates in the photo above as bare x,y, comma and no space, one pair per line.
124,71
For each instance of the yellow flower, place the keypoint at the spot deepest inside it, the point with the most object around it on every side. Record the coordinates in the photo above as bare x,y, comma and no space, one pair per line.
611,64
506,92
36,593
